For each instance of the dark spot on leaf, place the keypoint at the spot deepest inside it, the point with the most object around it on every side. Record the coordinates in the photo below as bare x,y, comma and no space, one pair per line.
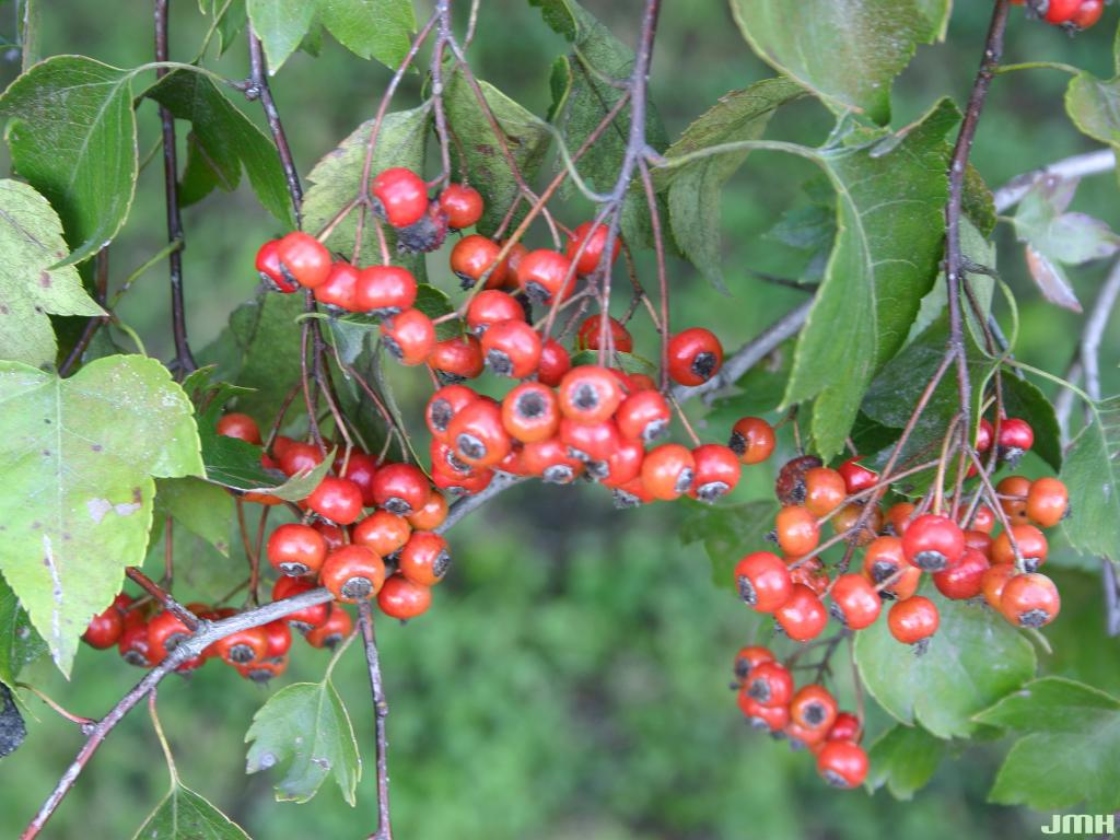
45,280
46,453
12,728
4,310
137,496
96,447
39,309
35,526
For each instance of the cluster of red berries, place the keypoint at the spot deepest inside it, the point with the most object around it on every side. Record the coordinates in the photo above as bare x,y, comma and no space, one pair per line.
810,717
145,634
1073,15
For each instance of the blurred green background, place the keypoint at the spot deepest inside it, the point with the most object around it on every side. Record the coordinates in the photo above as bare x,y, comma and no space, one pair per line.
571,678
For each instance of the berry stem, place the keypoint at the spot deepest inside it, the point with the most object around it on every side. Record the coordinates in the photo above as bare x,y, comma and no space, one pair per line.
381,712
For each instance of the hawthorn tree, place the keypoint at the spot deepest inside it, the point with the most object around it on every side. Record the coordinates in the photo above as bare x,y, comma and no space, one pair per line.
933,478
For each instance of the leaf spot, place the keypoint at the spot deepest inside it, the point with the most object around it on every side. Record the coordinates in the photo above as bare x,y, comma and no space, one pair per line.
325,763
45,279
265,761
96,447
98,508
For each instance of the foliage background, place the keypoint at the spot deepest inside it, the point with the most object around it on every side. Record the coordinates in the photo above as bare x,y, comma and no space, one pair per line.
571,680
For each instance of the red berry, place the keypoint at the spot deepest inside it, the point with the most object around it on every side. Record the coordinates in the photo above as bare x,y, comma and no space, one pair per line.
308,617
796,530
425,558
442,407
748,658
789,486
409,336
1014,437
166,631
763,581
359,467
592,443
431,515
855,603
512,348
384,290
589,394
300,458
296,549
716,473
770,683
336,499
490,307
695,356
554,363
457,358
338,291
303,259
964,580
400,196
243,646
462,205
803,617
1088,15
382,532
752,439
644,416
240,426
590,335
856,476
623,465
545,276
403,599
667,471
1030,600
847,727
814,709
478,436
933,543
593,241
474,257
331,632
914,620
531,412
352,573
268,267
825,491
105,628
1061,11
1031,543
768,718
843,764
1047,502
400,488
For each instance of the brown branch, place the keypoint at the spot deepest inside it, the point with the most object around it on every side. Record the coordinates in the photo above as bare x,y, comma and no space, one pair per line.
381,711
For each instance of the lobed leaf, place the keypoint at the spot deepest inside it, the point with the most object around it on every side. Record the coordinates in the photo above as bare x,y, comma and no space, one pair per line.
281,25
30,243
305,732
974,659
20,644
79,456
1067,752
904,758
380,29
72,135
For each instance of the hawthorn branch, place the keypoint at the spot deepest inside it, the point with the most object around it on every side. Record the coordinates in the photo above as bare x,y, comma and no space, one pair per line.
258,89
381,712
184,360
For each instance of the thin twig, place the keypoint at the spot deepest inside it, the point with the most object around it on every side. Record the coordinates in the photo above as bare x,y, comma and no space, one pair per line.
258,89
381,711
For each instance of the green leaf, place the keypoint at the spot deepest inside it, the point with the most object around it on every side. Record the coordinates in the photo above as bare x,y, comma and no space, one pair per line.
72,135
728,532
380,29
973,660
889,240
336,182
202,508
1084,649
1022,398
904,758
695,190
20,644
231,21
78,456
222,140
1067,754
484,163
30,242
1094,107
1091,473
304,730
847,52
1070,238
281,25
184,815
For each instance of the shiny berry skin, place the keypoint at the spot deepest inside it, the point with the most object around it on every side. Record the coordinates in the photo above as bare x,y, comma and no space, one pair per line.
338,500
695,356
550,461
589,394
763,582
544,276
985,432
898,517
752,439
308,617
590,333
770,684
765,718
352,573
337,292
843,764
716,473
983,520
400,196
796,530
491,307
964,580
1031,542
1030,600
994,580
644,416
462,205
133,644
384,290
331,632
592,443
166,631
268,267
748,658
595,237
445,458
303,259
300,458
409,336
431,515
667,471
825,491
425,558
810,572
105,628
855,603
264,670
475,255
511,348
531,412
278,635
884,559
913,620
856,476
457,358
847,727
382,532
244,646
623,465
554,363
1047,502
240,426
442,407
1087,15
457,484
400,488
789,486
847,521
813,708
1013,491
478,436
403,599
1061,11
296,549
803,617
1014,437
933,543
360,468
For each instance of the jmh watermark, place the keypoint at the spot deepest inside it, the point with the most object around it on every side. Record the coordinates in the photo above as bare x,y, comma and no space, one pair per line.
1081,824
